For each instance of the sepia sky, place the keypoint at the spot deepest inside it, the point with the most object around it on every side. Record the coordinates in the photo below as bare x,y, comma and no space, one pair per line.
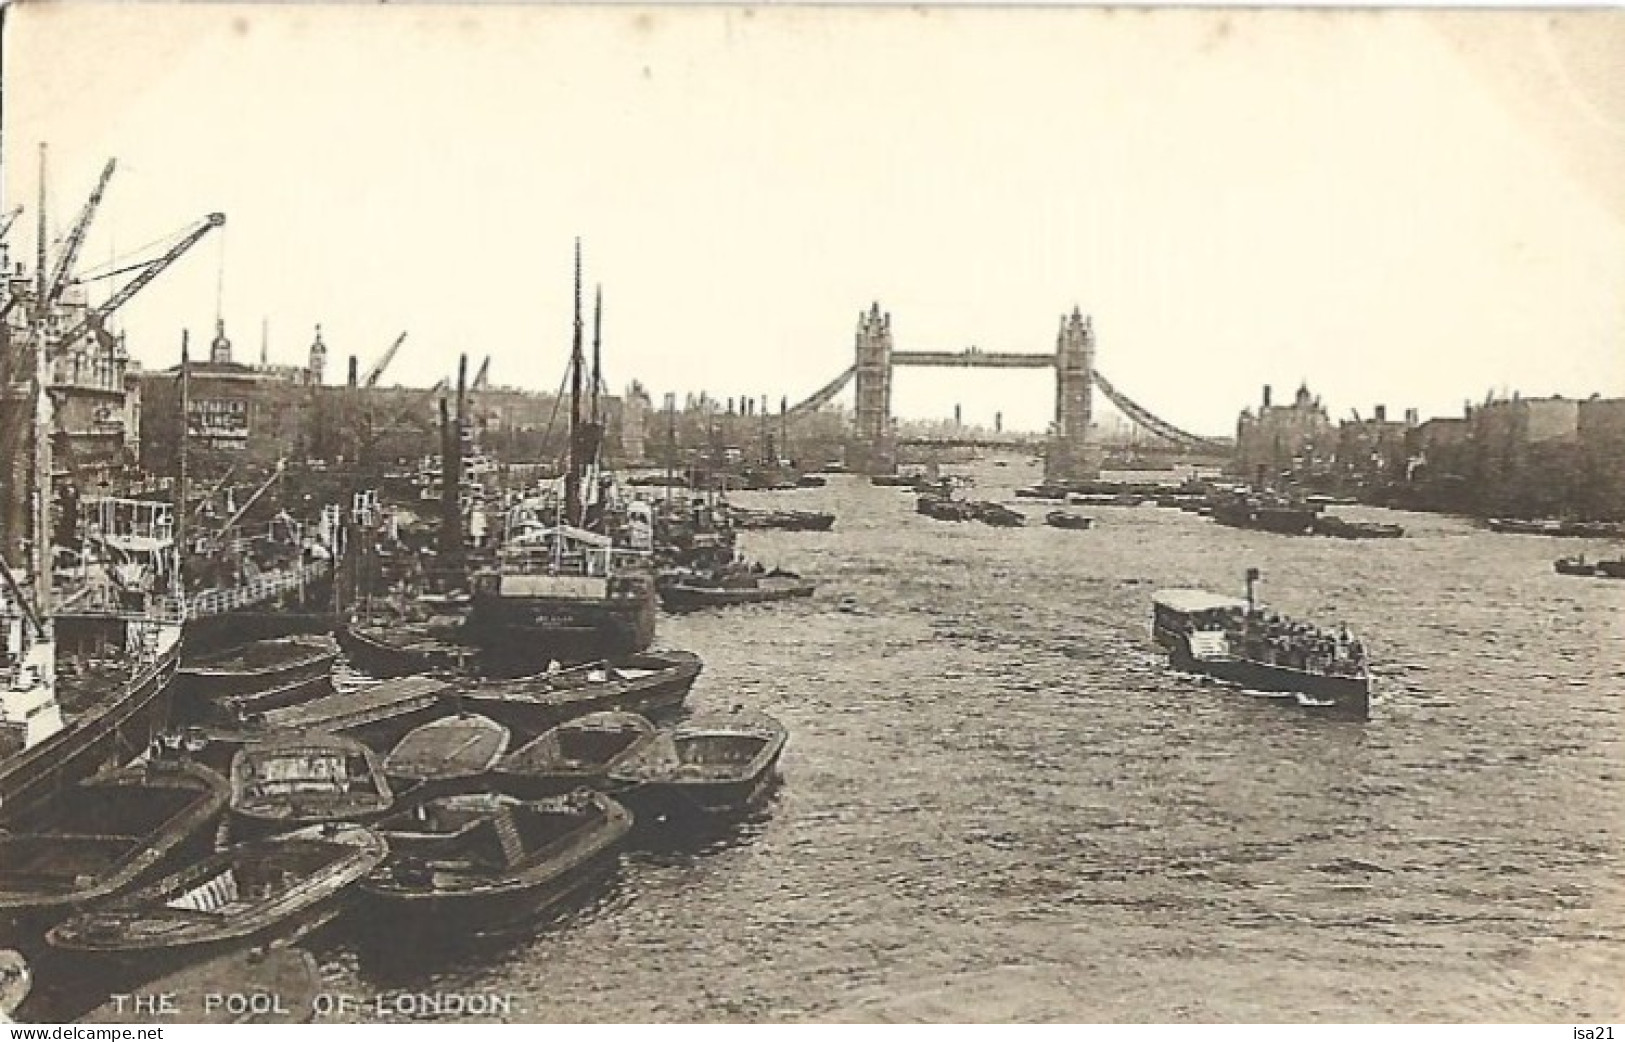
1406,208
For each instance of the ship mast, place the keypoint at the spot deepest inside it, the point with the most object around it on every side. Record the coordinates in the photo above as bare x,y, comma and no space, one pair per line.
671,444
784,427
572,478
39,241
42,485
597,356
451,475
181,512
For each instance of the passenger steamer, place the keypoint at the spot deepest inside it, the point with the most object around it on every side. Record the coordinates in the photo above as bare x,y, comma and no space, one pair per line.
1229,639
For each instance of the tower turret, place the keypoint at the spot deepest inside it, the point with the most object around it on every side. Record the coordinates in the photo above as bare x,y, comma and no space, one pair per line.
318,358
220,348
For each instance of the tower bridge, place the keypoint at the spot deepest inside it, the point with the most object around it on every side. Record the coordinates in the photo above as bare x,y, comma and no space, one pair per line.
1069,453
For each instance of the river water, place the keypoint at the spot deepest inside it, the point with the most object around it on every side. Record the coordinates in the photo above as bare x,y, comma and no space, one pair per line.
999,803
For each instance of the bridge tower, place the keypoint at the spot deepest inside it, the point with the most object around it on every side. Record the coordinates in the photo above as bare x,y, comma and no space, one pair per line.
1070,456
876,446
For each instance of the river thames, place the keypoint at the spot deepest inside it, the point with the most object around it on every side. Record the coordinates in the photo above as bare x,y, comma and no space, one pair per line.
998,802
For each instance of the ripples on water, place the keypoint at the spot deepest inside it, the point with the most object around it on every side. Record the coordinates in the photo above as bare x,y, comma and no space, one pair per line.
990,765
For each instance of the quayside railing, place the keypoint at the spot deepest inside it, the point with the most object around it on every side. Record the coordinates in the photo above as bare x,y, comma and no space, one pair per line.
104,599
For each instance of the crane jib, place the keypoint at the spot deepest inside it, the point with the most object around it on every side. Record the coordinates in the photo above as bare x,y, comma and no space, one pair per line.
150,272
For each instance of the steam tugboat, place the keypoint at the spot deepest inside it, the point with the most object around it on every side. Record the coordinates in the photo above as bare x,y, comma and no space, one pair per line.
557,584
1233,640
1575,566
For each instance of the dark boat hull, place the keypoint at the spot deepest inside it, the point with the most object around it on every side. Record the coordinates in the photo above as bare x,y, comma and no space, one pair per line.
530,716
291,694
186,837
513,631
1281,520
1576,568
795,521
385,661
682,597
1337,528
205,683
495,901
122,969
536,785
483,914
114,732
210,634
377,717
656,801
1342,696
158,929
705,768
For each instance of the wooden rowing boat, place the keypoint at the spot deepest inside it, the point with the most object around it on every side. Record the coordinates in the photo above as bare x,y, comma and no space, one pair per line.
716,764
103,837
443,754
574,754
485,864
300,779
276,889
648,684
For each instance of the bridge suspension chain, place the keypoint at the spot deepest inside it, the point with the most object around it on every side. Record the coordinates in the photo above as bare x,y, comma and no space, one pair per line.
1151,422
823,395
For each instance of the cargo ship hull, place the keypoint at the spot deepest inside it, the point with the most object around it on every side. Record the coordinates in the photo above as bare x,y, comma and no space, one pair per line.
112,730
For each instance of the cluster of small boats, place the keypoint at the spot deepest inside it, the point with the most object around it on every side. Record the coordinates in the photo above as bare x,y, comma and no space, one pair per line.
1236,506
446,804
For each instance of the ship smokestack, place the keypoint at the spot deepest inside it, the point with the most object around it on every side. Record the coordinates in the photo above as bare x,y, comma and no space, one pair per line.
1266,396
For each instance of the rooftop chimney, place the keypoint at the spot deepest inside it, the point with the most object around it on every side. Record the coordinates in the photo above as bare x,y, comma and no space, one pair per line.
1266,396
1381,412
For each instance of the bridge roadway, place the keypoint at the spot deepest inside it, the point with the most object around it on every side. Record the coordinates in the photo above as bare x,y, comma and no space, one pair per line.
973,359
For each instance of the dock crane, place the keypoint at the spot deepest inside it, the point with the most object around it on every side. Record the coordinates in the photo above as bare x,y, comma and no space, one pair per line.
481,377
9,219
58,278
76,239
96,316
377,371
